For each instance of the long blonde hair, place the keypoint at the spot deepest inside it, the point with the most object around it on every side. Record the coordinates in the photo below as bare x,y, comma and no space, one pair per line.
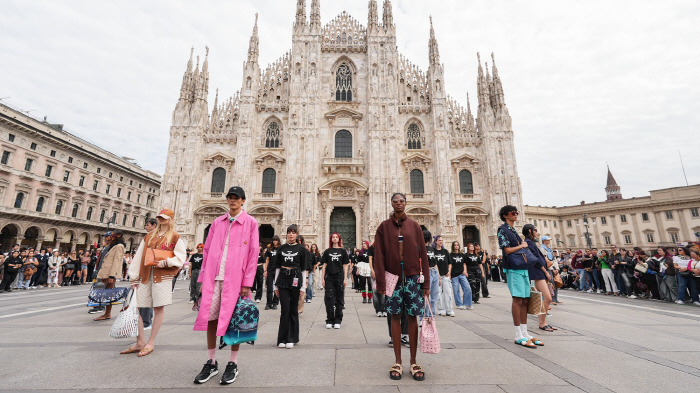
169,233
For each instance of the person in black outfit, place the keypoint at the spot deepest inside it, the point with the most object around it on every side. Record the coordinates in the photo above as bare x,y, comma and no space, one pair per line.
12,265
289,283
269,273
195,268
485,270
473,261
353,262
259,276
334,269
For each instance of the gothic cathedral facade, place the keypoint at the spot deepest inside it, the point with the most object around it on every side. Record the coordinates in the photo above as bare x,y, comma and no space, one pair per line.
326,134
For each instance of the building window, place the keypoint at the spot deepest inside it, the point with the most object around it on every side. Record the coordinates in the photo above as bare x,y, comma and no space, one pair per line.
85,165
272,136
544,222
11,137
128,196
466,186
66,176
95,184
131,182
121,178
124,220
89,213
33,146
568,223
18,200
40,204
133,222
109,187
572,242
413,137
343,83
628,239
343,144
603,220
81,181
140,185
70,160
417,182
28,165
74,213
110,175
53,153
674,237
138,198
5,157
554,223
119,192
59,207
534,222
623,218
269,181
114,218
102,215
694,212
99,170
218,180
607,240
645,217
669,215
49,169
650,237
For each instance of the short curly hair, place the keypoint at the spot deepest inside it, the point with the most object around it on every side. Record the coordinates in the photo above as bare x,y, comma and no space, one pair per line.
505,210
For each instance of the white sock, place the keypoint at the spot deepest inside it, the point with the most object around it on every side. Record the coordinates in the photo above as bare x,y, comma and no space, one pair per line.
523,330
518,333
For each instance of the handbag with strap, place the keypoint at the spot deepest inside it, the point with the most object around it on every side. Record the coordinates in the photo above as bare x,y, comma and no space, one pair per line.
535,306
641,267
127,323
558,282
101,295
243,327
154,256
429,339
687,273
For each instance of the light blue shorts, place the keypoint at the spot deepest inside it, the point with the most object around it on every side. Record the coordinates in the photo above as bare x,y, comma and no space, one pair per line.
518,283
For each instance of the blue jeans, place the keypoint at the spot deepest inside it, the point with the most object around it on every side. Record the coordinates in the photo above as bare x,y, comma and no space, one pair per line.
594,273
21,282
687,282
309,287
434,291
583,284
466,299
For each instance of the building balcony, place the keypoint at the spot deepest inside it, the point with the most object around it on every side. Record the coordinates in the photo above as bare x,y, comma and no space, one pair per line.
349,166
268,197
419,198
467,197
216,196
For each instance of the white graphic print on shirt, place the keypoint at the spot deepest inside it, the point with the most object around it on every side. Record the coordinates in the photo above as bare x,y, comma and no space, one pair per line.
335,257
288,256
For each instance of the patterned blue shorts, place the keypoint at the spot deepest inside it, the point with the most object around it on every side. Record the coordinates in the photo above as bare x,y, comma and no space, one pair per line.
407,296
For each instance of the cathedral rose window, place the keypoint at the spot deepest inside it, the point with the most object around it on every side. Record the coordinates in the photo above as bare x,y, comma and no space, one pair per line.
343,83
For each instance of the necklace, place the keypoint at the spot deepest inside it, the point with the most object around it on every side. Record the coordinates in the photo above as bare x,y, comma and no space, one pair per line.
160,236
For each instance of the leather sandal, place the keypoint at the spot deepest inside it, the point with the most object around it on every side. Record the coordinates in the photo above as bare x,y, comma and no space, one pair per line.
398,369
130,350
417,369
525,343
145,351
537,342
101,318
546,328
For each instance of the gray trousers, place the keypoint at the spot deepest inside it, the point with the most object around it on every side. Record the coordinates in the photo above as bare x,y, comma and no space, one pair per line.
146,315
668,288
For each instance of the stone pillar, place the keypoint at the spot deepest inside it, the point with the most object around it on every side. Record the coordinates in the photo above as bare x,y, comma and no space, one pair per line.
615,233
57,246
73,245
635,226
684,226
18,240
660,228
39,242
580,240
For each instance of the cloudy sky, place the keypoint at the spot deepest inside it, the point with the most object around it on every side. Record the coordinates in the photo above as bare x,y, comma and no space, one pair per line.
587,83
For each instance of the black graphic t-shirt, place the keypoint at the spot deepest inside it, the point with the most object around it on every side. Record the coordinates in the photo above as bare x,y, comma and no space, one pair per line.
271,254
196,261
458,261
335,258
291,255
432,262
443,260
472,261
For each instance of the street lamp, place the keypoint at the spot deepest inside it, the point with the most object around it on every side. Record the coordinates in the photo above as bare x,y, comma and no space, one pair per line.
588,235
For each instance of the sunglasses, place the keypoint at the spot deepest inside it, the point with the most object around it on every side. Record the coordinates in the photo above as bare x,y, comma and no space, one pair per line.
514,213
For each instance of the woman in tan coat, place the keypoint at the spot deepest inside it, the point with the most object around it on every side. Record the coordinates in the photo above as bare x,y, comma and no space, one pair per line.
111,267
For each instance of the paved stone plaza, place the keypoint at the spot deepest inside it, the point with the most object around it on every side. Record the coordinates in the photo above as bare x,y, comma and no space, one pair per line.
604,344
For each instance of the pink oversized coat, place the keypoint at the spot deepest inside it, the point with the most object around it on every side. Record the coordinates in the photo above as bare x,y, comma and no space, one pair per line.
241,265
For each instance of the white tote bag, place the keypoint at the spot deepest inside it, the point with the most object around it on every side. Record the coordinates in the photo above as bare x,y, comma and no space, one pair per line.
127,323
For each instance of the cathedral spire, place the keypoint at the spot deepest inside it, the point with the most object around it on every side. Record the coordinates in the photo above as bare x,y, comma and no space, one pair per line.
187,78
253,50
482,86
434,52
372,18
387,16
612,190
316,16
497,87
301,14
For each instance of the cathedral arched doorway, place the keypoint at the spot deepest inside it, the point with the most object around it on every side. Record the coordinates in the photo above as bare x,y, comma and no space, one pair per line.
265,234
344,222
31,236
8,236
470,234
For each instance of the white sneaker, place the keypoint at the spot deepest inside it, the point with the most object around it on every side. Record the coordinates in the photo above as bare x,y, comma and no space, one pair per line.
282,345
257,301
696,303
632,296
469,308
336,326
384,314
680,302
589,291
452,314
329,326
379,313
598,291
148,327
290,345
442,314
191,301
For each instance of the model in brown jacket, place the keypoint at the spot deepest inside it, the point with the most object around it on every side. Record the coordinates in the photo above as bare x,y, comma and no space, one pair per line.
112,267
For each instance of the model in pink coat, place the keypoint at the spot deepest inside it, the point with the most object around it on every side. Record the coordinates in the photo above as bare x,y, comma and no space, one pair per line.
228,270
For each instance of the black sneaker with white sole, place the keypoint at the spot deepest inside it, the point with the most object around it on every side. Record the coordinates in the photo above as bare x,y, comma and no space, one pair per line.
230,374
405,342
208,371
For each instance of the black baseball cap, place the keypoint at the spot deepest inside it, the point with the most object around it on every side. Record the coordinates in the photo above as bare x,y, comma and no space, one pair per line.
238,191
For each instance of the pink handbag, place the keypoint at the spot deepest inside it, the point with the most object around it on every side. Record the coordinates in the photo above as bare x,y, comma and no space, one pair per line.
429,339
391,281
